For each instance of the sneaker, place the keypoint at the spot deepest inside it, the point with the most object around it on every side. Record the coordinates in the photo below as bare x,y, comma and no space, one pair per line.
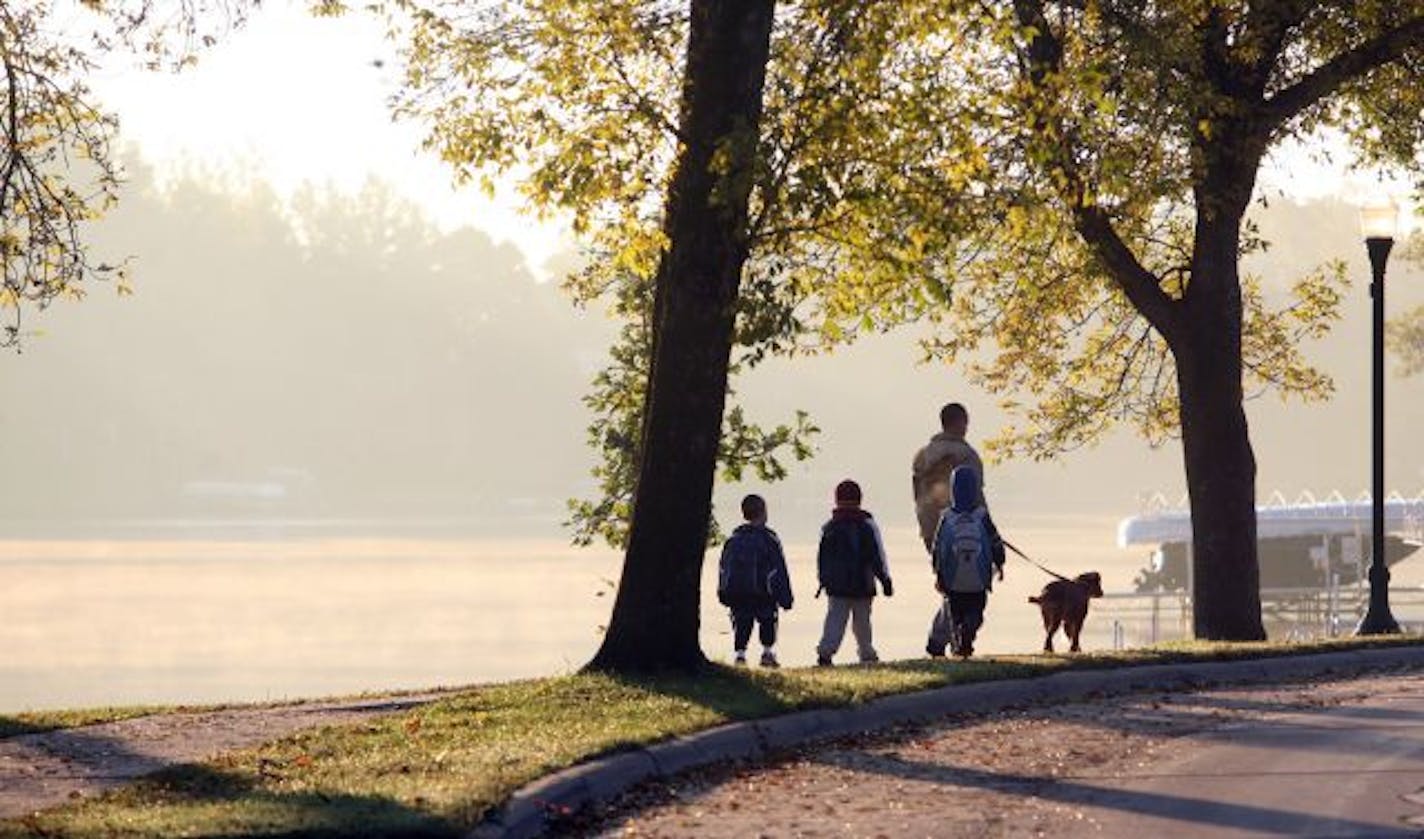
740,660
823,661
934,653
768,659
875,659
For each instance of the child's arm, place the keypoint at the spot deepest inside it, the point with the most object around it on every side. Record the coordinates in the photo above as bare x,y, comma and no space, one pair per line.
821,564
781,578
882,562
935,543
937,549
996,544
722,574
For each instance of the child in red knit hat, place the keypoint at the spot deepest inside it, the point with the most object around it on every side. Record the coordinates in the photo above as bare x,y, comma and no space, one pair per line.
850,559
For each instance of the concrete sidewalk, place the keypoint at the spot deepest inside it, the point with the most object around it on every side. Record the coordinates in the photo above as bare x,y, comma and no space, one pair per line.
532,809
1324,758
1351,770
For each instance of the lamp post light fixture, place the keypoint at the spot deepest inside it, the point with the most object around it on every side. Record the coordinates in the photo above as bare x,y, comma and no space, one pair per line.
1378,223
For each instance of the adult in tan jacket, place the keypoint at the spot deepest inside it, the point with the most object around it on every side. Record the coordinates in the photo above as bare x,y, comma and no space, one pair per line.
933,464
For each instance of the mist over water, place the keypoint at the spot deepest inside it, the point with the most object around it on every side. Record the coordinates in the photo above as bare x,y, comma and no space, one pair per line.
326,448
163,621
95,622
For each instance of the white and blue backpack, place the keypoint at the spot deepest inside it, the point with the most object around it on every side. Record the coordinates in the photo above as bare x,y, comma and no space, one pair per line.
960,551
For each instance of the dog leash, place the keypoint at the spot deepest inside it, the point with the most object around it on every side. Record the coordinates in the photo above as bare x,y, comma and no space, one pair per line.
1029,560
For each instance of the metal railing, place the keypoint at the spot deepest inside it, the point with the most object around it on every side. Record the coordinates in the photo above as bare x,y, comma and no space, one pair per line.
1130,619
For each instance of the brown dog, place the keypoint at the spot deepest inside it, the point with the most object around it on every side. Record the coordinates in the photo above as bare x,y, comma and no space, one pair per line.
1066,602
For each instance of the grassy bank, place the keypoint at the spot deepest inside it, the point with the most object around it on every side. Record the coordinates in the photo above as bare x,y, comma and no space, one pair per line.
39,722
35,722
437,769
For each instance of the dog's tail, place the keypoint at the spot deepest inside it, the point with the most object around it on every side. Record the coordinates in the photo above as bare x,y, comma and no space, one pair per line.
1033,600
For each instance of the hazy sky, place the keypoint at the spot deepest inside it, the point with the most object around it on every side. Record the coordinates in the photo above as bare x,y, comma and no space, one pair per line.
303,99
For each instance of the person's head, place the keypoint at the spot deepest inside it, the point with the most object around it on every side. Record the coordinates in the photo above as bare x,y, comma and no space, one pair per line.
964,484
754,509
954,419
847,494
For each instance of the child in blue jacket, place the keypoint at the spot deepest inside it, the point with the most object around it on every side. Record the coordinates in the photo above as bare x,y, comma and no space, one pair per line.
966,551
752,581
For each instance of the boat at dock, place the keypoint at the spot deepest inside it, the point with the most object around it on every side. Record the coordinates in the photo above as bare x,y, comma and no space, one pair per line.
1302,545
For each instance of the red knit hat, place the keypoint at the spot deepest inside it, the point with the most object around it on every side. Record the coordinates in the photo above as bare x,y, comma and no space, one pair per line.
848,494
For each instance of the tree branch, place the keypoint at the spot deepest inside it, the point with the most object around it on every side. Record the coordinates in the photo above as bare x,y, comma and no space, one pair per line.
12,132
1091,221
641,102
1329,77
1141,286
1269,25
1130,26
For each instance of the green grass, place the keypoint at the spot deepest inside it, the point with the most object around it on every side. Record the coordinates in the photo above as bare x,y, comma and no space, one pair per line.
34,722
38,722
438,769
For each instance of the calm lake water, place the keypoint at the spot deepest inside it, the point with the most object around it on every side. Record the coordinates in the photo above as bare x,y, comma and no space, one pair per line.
95,622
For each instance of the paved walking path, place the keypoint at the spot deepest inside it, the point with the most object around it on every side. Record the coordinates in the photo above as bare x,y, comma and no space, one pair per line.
1354,769
1330,758
51,768
1337,758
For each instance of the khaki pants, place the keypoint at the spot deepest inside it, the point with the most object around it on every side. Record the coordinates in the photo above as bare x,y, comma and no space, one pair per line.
838,610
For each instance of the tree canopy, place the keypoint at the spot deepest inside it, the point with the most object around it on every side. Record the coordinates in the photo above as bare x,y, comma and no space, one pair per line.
917,168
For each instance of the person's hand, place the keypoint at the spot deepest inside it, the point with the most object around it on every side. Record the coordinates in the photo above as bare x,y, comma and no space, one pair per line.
939,587
889,588
1001,573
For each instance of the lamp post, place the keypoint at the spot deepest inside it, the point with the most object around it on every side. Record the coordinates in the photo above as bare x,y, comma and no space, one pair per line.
1377,223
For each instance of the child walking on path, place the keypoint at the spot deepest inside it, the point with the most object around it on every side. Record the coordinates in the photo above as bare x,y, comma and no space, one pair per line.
752,581
966,549
850,559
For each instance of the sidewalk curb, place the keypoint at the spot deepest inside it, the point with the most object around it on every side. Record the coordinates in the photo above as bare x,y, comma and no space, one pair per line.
529,809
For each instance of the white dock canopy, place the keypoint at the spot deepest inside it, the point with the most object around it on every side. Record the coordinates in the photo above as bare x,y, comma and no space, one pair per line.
1325,518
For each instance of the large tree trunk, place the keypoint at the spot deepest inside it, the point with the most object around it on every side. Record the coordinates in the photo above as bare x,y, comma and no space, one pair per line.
1221,481
656,614
1216,445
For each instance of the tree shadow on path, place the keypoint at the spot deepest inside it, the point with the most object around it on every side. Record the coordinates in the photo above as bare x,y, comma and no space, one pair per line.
1181,809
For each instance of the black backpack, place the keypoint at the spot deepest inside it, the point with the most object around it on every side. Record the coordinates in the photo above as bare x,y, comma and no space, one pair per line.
739,576
840,563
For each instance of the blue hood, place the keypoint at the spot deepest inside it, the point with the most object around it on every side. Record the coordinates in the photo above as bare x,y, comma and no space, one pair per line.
964,482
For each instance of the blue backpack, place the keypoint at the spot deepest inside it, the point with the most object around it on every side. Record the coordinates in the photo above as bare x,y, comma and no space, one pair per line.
741,575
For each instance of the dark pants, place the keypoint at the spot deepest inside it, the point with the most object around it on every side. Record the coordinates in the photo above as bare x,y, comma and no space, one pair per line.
966,613
957,622
764,614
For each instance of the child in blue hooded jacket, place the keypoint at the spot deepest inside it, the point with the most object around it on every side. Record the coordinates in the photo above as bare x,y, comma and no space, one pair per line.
752,581
966,552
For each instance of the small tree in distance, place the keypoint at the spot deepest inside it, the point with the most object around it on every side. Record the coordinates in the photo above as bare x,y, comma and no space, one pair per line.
1406,333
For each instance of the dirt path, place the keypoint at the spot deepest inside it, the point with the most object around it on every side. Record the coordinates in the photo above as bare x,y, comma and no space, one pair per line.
1101,768
51,768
